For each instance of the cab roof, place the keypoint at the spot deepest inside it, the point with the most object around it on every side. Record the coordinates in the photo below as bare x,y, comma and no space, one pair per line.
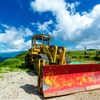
40,36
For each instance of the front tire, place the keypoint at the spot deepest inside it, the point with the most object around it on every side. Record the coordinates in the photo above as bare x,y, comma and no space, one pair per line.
39,56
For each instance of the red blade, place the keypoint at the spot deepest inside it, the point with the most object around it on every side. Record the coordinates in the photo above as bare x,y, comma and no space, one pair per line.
66,79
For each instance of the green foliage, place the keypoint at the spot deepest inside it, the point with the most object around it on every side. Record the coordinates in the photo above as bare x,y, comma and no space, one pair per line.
11,62
80,53
17,63
21,56
80,56
14,64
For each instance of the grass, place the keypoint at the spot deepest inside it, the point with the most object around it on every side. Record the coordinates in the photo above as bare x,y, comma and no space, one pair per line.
80,53
17,63
80,56
1,76
14,64
21,56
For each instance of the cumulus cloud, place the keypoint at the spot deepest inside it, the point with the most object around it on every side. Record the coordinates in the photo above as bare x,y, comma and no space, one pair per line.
14,39
71,25
5,26
72,7
48,5
43,27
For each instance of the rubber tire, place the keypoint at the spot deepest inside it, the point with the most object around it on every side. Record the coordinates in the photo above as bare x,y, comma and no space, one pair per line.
40,56
27,60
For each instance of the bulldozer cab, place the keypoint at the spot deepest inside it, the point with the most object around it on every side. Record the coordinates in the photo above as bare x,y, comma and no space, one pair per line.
41,39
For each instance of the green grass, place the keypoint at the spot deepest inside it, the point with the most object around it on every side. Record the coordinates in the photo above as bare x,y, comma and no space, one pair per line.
80,56
17,63
1,76
78,53
21,56
14,64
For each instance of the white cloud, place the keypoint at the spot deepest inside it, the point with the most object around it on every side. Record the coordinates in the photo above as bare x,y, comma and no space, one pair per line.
45,26
4,25
70,25
14,39
28,32
95,13
48,5
32,23
90,46
9,50
72,7
79,47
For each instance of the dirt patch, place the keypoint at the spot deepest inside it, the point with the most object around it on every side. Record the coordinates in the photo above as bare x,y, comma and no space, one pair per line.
23,86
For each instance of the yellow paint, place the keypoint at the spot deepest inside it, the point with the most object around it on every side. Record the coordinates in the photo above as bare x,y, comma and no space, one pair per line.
90,79
84,80
48,81
57,82
80,83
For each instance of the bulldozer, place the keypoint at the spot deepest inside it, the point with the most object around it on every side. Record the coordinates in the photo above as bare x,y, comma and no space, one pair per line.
56,75
42,48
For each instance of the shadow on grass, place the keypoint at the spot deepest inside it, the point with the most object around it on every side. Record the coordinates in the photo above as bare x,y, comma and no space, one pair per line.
31,89
28,70
31,73
23,67
96,58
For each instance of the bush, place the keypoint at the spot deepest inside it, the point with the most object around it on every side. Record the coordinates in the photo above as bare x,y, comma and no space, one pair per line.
14,64
11,62
21,56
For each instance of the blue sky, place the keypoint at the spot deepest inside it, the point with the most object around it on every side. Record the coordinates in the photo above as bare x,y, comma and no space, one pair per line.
71,23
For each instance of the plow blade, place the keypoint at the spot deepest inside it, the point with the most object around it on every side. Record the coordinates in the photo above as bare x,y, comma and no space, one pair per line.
59,80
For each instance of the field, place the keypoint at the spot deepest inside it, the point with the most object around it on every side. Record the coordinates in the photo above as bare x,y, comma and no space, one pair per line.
14,64
17,63
21,83
89,57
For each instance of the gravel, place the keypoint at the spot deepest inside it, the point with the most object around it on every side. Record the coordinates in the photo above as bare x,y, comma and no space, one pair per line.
23,86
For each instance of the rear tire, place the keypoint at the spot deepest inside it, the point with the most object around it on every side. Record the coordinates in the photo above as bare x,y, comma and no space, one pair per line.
27,62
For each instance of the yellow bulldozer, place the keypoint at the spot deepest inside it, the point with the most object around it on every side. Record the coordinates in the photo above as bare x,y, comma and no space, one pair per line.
42,48
56,76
